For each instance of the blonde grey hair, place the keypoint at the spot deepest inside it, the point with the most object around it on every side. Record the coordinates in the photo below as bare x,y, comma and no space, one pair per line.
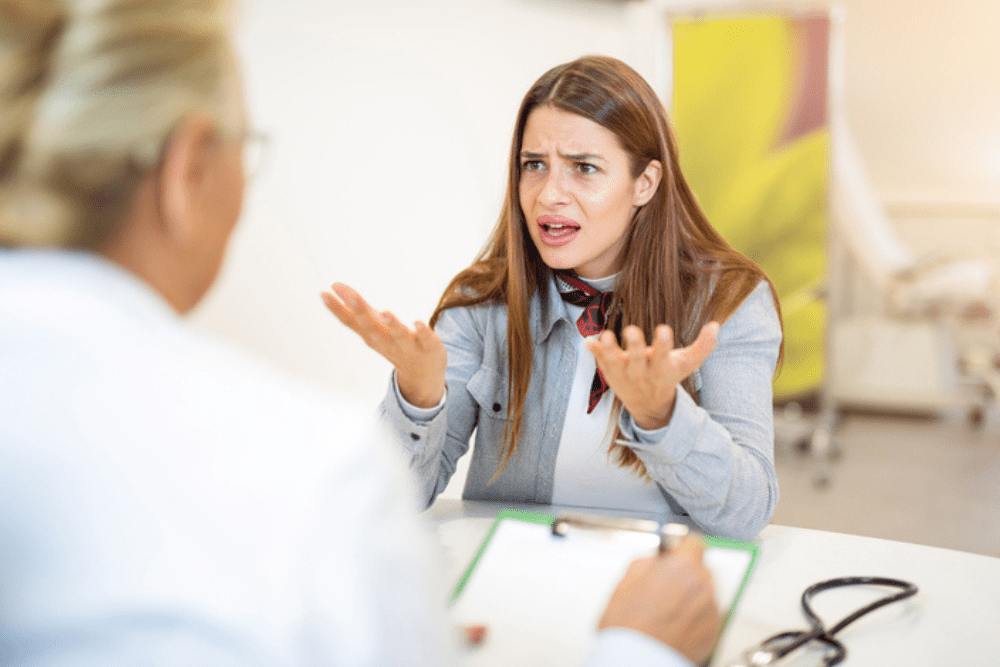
90,91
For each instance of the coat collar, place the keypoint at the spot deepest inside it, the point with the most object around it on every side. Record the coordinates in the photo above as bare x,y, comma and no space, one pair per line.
546,309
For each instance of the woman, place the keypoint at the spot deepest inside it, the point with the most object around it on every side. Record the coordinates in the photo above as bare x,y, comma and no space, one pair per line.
599,235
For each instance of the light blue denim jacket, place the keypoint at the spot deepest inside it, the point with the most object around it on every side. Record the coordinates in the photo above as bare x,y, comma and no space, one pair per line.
713,462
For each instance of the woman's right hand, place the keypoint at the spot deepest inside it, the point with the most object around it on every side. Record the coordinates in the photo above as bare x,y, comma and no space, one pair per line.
417,354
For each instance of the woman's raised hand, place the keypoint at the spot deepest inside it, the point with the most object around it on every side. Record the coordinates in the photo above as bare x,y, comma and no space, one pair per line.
418,354
645,378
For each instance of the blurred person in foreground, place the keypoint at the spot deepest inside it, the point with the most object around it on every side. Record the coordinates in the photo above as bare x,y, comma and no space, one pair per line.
163,499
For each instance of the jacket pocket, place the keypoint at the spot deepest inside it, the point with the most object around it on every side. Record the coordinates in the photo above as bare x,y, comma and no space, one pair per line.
489,389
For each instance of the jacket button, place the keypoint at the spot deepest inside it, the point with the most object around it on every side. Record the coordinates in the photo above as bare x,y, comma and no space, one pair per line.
496,407
414,436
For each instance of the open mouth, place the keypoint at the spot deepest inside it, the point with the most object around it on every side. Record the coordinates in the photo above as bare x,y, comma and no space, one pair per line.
557,232
557,229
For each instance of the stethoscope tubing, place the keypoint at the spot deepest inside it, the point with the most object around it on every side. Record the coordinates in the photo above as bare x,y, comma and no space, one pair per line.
819,633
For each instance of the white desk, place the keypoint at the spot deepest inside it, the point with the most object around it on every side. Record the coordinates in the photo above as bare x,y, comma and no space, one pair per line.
953,620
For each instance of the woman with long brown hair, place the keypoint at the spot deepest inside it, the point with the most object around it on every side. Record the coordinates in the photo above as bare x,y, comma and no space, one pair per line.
541,345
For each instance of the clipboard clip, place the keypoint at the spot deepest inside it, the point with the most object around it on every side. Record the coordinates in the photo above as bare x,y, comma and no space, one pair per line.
669,533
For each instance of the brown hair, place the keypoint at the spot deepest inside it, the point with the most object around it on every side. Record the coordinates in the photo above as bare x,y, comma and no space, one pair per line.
675,268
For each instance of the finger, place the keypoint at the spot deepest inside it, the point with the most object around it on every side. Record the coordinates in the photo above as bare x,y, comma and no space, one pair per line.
610,357
606,345
594,347
632,339
607,355
374,327
363,314
427,339
349,296
395,328
690,548
372,324
363,311
636,360
640,566
707,337
474,634
692,356
607,339
425,336
663,344
341,311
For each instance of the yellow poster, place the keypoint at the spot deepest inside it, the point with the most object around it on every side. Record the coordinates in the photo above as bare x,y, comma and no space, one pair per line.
750,112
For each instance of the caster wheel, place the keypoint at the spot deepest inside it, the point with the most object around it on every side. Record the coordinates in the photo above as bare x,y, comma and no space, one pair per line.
821,482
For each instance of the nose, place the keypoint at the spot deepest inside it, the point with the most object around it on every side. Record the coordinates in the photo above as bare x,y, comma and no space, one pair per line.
553,191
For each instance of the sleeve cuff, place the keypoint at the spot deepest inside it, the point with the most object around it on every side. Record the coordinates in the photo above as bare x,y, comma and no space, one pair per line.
412,412
644,437
621,646
681,432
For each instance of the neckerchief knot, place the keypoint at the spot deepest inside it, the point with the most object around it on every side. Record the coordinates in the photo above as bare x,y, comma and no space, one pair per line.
591,322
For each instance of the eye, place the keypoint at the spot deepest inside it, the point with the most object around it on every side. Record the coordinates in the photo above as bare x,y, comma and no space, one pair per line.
532,165
586,168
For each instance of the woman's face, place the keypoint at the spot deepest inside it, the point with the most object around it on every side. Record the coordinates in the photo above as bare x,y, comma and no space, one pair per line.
577,191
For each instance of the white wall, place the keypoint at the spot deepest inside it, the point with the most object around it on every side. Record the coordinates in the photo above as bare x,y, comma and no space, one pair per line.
923,97
391,124
391,121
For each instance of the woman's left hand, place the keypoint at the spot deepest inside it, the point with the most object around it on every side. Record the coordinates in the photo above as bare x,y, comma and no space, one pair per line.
645,378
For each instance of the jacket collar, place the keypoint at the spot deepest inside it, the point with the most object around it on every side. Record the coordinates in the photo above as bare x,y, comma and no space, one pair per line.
546,309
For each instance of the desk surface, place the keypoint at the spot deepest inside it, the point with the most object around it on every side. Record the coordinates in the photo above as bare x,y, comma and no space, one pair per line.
953,620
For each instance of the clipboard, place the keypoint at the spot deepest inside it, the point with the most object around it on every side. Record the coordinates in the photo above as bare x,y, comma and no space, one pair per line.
542,595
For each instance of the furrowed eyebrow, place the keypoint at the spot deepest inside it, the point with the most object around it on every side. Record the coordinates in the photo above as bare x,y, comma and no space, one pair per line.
582,157
573,157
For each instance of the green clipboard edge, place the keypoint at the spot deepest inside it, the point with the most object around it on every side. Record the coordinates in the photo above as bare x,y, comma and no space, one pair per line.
517,515
547,519
724,543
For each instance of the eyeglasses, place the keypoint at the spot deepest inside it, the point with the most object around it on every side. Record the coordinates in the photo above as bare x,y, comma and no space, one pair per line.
255,152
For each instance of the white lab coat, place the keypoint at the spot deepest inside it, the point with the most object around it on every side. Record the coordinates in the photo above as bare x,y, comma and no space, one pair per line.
165,500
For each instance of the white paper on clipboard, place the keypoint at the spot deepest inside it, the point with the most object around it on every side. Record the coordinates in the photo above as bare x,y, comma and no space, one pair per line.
541,596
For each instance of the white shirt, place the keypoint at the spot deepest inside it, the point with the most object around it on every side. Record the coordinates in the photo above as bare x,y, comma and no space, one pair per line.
585,476
165,500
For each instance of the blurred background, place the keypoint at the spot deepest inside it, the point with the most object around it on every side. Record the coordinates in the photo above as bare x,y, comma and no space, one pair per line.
390,124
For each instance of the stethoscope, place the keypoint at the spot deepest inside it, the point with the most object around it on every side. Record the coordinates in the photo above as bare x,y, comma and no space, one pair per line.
775,648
